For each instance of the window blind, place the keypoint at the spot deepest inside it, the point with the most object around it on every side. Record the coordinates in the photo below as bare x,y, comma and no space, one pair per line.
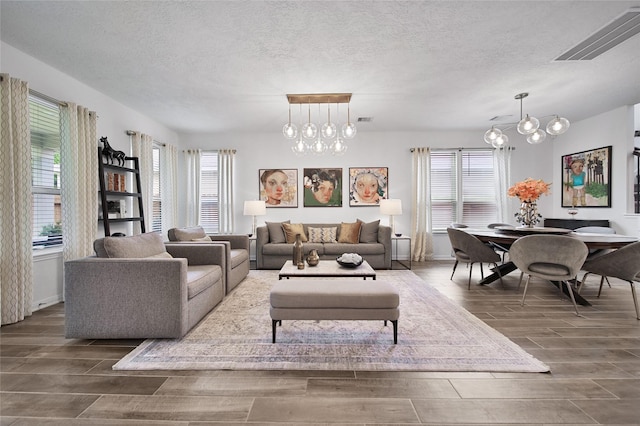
462,188
156,212
209,201
46,212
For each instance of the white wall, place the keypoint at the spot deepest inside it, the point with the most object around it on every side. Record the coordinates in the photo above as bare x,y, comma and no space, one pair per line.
114,119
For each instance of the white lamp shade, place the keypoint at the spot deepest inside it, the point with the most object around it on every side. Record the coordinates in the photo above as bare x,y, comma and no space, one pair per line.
255,208
391,207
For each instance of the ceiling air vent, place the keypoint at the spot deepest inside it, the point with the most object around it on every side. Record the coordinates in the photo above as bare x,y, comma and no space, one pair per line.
620,29
365,119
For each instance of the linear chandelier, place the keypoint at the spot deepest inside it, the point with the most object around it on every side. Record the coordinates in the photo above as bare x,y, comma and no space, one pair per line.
309,140
528,126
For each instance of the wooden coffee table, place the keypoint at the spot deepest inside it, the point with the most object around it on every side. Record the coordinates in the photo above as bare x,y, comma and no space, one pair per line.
328,269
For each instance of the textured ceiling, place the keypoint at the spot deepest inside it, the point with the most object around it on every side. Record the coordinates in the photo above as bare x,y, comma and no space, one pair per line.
226,66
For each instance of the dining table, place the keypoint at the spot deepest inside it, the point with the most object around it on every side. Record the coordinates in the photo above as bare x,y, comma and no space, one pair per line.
503,237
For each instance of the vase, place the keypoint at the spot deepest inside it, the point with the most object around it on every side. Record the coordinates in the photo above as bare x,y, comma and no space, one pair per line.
297,252
313,258
528,214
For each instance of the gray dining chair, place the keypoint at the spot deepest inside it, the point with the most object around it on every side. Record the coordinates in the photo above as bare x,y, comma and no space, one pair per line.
469,249
550,257
501,249
623,263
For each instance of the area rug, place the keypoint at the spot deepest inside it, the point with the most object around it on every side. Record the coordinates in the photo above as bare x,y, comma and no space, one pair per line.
434,334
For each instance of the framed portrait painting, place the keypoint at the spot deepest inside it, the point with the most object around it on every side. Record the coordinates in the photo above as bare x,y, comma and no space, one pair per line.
368,185
322,187
586,178
278,187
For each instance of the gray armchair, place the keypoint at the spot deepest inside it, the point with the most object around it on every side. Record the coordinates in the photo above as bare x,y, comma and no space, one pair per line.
137,288
237,251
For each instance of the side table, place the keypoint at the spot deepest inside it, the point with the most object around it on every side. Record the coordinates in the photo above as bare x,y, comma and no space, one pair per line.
395,258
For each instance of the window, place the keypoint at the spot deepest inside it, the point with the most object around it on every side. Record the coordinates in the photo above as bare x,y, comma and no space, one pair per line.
156,210
462,188
209,213
44,117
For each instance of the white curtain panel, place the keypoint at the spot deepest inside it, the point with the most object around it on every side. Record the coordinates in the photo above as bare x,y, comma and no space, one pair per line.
168,187
192,167
142,147
79,183
16,256
502,176
421,228
226,159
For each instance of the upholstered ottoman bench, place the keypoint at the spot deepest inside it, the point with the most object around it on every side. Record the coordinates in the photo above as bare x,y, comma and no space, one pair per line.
307,299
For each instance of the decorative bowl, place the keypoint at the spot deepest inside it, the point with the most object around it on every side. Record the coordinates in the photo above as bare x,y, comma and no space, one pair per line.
350,263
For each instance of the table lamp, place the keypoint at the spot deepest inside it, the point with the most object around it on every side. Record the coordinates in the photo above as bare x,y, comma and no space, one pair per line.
254,208
392,208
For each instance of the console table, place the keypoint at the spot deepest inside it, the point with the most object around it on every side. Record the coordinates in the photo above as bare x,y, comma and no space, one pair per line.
575,223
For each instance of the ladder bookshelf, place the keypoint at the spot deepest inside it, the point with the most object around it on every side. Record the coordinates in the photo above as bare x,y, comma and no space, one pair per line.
113,193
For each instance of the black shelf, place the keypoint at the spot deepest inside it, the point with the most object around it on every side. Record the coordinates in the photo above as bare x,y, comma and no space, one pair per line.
105,194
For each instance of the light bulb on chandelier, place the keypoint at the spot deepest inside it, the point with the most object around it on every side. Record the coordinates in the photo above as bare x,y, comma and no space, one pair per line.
528,126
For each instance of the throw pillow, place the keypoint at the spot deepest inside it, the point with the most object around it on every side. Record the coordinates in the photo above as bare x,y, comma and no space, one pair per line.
323,235
369,231
137,246
276,233
188,234
204,239
350,233
291,230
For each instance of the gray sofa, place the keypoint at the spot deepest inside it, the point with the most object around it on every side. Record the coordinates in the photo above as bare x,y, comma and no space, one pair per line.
237,251
373,244
138,287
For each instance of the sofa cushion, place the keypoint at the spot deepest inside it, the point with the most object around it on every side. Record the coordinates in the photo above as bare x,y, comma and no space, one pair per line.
287,250
205,239
276,232
201,277
188,234
369,231
238,256
293,229
349,233
323,235
362,249
137,246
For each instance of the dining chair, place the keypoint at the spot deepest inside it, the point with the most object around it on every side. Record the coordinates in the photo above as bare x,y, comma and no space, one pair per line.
550,257
469,249
458,225
623,263
501,249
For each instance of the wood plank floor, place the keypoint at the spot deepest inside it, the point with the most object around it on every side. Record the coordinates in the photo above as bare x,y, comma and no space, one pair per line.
595,379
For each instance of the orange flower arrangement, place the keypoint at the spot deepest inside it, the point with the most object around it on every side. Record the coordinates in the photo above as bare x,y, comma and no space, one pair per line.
529,190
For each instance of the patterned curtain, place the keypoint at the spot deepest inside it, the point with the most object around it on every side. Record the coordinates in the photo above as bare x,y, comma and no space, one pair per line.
225,191
502,177
16,257
168,187
421,228
78,188
142,147
192,166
